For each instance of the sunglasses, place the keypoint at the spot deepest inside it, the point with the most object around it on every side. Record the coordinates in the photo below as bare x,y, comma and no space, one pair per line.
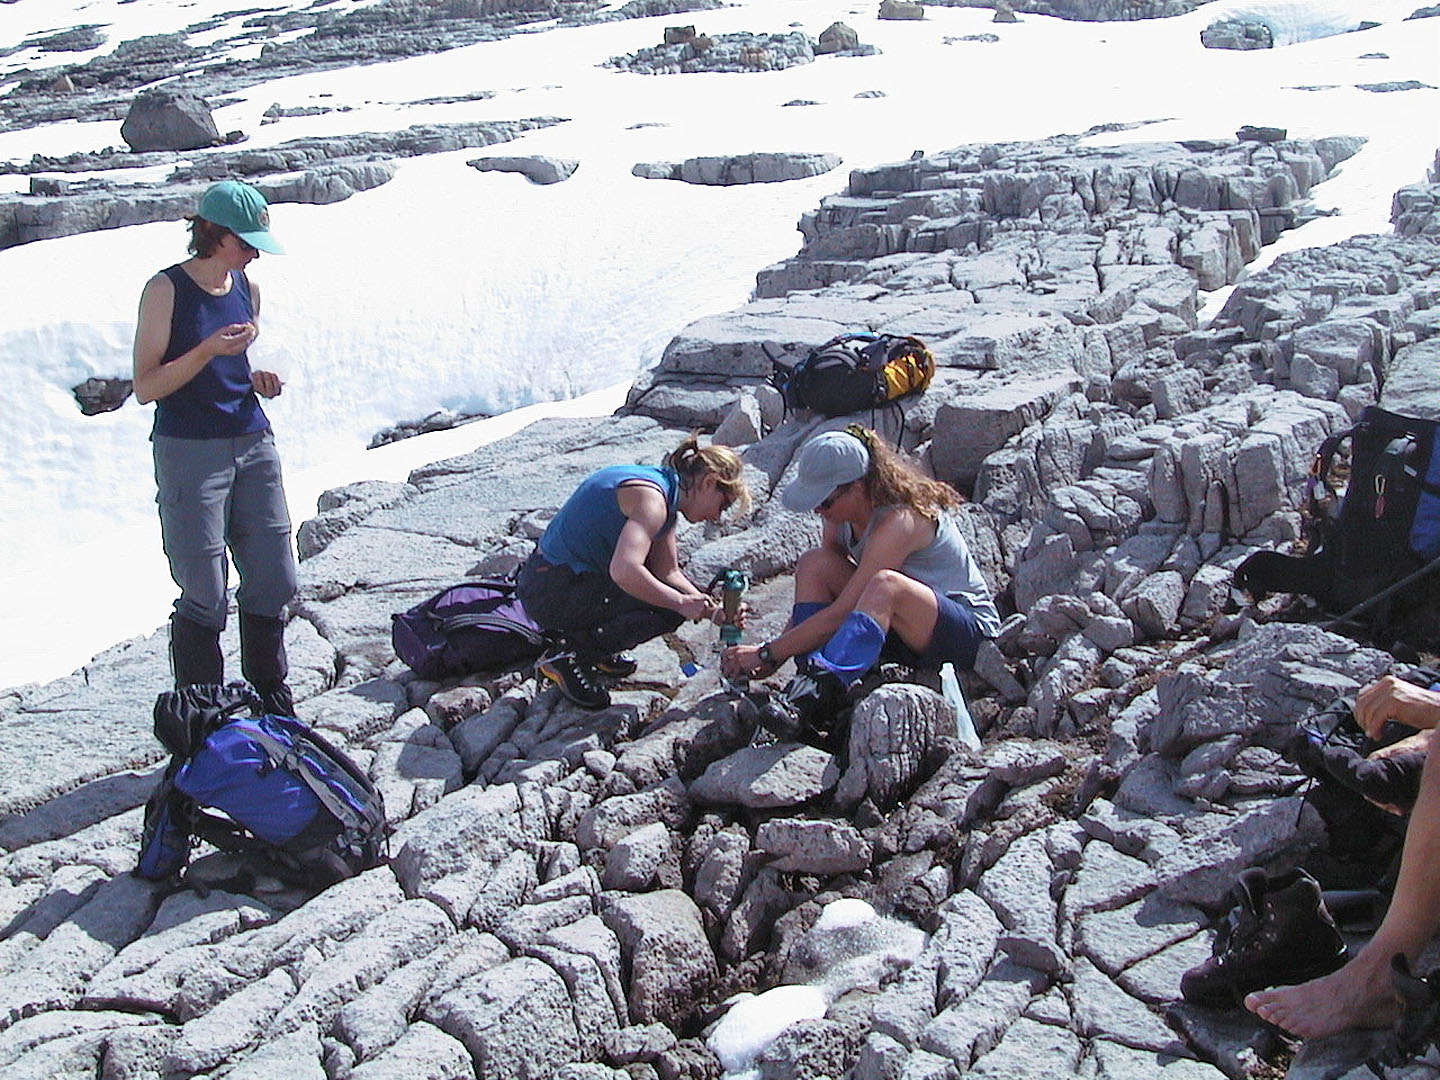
829,500
727,496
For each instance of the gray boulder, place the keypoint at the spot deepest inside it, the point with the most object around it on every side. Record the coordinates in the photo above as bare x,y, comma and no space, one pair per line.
98,395
901,9
759,168
516,1020
764,777
662,938
972,427
837,37
537,168
1410,388
813,847
423,1051
899,732
1237,34
169,119
739,52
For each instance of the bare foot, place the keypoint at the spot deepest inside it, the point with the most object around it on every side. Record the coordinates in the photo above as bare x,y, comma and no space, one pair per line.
1357,996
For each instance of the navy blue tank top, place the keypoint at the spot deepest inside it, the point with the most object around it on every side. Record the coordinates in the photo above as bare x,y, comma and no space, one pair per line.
219,402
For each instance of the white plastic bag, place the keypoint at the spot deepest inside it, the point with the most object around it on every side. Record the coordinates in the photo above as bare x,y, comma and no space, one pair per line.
964,724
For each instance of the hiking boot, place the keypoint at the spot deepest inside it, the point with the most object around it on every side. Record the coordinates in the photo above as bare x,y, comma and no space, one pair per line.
1279,933
616,666
806,709
576,679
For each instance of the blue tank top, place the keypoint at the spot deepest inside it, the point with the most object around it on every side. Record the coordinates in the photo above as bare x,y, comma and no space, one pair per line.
219,402
583,534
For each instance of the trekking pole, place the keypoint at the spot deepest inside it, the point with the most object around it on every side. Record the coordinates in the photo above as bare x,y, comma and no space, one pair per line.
1383,594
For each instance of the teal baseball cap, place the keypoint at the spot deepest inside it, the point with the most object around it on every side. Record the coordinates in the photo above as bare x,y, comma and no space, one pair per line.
241,209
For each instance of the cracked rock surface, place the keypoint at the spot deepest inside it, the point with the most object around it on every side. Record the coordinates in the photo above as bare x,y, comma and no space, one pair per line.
576,894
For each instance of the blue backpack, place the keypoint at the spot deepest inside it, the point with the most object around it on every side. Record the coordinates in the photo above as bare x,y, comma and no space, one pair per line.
478,625
285,795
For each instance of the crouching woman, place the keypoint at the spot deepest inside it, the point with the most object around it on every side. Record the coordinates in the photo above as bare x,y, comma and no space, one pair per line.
605,575
892,580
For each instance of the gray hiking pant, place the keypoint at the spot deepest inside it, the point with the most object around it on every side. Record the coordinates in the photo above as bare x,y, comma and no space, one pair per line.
216,494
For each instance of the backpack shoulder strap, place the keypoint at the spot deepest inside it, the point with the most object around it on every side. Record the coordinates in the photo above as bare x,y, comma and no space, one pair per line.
488,621
223,833
1320,468
288,758
484,620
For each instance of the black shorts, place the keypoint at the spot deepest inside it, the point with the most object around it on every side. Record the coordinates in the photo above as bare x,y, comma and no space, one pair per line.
587,611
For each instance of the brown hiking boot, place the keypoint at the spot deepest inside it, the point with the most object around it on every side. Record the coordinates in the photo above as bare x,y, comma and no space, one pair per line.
1278,933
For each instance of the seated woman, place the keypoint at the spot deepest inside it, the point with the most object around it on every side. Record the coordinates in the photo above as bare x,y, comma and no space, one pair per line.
606,576
893,580
1360,994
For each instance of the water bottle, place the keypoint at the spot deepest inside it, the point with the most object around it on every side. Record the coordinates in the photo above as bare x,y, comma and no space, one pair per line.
732,587
964,723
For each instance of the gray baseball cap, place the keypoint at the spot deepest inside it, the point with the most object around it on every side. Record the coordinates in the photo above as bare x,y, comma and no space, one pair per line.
828,460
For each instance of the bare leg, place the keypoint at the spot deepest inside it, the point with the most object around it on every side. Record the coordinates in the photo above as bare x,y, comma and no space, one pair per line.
820,576
901,604
1359,995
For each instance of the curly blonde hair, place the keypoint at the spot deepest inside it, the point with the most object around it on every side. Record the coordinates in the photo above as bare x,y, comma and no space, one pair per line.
893,481
693,462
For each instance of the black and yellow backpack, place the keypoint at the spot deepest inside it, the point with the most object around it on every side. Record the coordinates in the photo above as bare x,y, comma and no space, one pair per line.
854,372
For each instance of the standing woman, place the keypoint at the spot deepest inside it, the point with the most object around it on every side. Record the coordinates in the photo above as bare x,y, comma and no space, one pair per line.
892,580
216,467
605,575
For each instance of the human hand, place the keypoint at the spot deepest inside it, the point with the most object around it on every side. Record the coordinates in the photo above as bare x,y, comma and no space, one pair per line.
1420,741
742,616
697,607
231,340
1391,698
266,383
744,660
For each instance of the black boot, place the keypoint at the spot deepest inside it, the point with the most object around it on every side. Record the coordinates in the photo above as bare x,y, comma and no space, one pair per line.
1279,933
577,679
808,709
263,661
195,656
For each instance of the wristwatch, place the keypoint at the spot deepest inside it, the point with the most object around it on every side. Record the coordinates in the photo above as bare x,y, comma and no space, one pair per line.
767,657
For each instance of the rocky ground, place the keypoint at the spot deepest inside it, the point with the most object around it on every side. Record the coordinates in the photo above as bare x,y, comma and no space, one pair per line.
575,895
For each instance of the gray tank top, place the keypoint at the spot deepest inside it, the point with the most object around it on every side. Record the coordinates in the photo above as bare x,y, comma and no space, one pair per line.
945,564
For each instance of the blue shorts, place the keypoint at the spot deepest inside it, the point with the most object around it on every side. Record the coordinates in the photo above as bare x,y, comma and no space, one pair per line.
956,639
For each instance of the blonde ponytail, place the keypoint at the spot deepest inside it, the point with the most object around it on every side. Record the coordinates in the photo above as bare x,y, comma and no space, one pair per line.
692,462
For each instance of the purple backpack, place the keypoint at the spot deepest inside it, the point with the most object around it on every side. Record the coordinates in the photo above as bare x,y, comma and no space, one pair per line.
474,626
